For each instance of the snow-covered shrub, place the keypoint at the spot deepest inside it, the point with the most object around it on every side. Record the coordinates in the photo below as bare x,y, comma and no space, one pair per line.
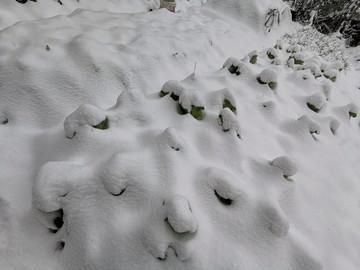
229,104
234,66
353,110
272,53
268,76
334,125
295,48
280,44
228,121
315,102
329,47
86,114
286,165
311,125
326,88
331,74
348,111
179,215
314,69
253,55
173,88
299,58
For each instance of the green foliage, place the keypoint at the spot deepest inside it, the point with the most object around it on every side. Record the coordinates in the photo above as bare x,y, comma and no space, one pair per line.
270,56
333,79
234,70
330,16
253,59
197,112
272,85
103,124
296,61
228,104
352,114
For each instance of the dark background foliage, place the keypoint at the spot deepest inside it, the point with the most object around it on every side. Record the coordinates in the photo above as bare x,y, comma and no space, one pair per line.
329,16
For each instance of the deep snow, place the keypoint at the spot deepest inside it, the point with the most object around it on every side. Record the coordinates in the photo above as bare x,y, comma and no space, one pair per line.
155,140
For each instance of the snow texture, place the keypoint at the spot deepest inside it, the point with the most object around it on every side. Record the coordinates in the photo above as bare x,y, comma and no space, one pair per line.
101,167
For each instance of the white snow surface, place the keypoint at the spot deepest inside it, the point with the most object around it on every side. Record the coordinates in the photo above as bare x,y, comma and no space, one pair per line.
260,182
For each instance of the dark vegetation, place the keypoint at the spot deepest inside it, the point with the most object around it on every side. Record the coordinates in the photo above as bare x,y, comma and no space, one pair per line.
330,16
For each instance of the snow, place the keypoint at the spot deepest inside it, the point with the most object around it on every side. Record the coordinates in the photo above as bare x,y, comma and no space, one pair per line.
179,215
86,114
287,167
146,140
267,76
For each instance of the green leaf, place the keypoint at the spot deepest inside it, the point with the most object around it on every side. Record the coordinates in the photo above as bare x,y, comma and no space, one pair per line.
197,112
352,114
270,56
227,104
233,69
333,79
253,59
103,124
272,85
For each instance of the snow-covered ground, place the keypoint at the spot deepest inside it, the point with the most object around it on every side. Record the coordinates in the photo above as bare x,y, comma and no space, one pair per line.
133,139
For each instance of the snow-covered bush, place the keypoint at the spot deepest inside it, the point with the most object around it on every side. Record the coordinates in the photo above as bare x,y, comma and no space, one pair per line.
286,165
315,102
331,74
311,126
253,55
268,76
234,66
352,110
86,114
295,48
272,53
299,58
334,125
228,121
329,47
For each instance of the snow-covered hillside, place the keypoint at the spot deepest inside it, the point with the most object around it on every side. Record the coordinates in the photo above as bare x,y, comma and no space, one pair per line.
187,140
